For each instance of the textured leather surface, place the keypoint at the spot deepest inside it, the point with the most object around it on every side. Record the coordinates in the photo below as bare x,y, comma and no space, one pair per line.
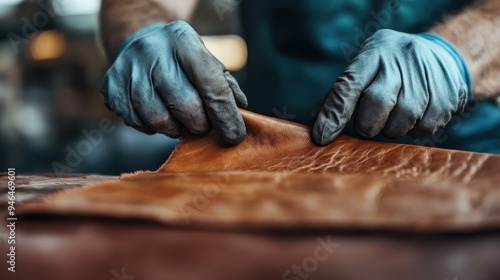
277,145
349,184
284,200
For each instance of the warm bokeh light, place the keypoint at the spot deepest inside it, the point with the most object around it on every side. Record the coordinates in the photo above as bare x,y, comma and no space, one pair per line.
47,45
231,50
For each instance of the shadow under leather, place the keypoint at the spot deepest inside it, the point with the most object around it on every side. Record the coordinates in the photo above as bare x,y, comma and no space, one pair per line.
60,218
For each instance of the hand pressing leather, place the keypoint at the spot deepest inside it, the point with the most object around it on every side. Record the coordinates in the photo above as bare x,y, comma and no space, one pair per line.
166,80
401,83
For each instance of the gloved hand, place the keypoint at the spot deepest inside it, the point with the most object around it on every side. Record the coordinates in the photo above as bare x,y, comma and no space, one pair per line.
166,79
402,83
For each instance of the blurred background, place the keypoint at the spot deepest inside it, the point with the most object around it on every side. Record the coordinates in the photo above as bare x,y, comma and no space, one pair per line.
52,115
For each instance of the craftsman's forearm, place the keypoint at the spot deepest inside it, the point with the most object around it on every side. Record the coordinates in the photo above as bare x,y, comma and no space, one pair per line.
120,18
475,33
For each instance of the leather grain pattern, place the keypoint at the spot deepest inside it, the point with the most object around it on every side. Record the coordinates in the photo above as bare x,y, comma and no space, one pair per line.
277,145
284,200
278,179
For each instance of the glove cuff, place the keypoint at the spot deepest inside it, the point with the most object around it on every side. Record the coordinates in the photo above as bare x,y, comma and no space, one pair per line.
136,35
462,66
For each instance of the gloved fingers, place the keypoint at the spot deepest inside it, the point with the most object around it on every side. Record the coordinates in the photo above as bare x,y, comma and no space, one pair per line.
410,108
144,130
181,98
317,108
116,99
462,99
377,101
441,107
435,117
239,96
342,99
428,125
407,112
412,101
210,81
150,107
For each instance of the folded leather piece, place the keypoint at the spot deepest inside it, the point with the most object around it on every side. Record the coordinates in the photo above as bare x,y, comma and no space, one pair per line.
277,178
277,145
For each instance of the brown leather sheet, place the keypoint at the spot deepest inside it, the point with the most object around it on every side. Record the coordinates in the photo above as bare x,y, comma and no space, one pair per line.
278,179
276,145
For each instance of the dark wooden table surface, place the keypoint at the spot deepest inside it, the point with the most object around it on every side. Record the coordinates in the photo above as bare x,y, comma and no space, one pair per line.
91,248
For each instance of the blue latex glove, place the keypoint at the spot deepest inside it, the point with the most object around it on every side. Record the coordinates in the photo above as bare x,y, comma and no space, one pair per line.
401,83
164,80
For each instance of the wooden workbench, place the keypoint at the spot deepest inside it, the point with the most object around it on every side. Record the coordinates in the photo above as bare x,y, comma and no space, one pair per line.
86,248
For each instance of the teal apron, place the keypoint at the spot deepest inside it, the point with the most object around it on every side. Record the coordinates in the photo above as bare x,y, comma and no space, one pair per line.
297,49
